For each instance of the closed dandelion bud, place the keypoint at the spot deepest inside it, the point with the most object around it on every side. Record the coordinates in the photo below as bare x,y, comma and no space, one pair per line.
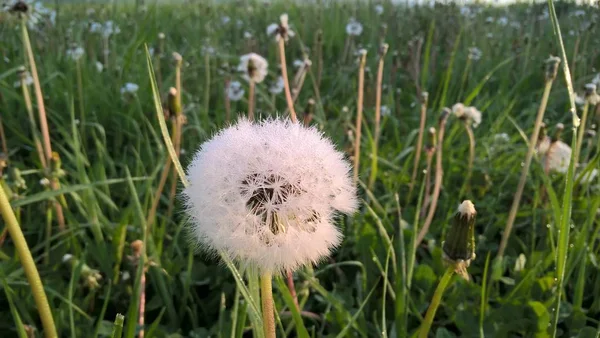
552,67
173,103
383,49
424,97
459,245
178,59
444,115
432,139
558,131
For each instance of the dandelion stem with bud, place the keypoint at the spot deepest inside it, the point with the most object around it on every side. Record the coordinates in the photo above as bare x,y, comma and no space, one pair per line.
29,268
374,159
439,174
286,83
551,70
359,113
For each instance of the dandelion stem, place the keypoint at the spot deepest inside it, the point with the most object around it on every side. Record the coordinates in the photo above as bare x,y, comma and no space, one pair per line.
528,157
268,314
28,264
34,128
227,102
81,103
467,183
42,113
419,147
584,115
439,173
435,302
286,84
374,158
251,100
359,114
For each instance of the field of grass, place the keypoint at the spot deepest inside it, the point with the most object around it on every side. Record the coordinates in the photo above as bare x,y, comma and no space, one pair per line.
108,182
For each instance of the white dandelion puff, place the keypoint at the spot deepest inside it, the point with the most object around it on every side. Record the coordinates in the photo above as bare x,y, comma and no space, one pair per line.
129,88
277,87
99,67
234,91
75,53
354,28
267,194
253,66
27,80
474,115
379,9
475,53
385,111
587,177
282,29
557,157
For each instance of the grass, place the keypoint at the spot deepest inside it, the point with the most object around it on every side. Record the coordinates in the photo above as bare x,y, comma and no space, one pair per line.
377,283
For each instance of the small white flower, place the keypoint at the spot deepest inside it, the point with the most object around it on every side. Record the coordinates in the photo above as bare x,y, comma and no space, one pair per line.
385,111
267,193
558,157
253,66
95,27
234,91
75,53
277,87
129,88
588,177
67,257
379,9
474,115
247,35
475,53
99,67
354,28
282,29
501,138
28,80
298,63
44,182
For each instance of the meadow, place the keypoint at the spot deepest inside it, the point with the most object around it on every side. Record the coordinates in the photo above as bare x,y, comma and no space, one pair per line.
91,122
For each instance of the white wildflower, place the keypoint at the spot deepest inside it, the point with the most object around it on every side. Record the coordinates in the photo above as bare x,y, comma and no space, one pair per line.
234,91
254,67
75,53
67,258
99,67
475,53
587,177
26,78
267,193
130,88
282,29
354,28
558,157
379,9
277,87
247,35
385,111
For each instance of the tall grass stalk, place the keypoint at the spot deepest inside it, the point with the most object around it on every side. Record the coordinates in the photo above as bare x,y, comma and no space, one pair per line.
374,159
359,114
423,119
31,272
565,222
34,129
584,116
525,171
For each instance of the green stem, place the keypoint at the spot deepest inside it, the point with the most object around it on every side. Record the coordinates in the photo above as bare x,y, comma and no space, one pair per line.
435,302
31,272
266,296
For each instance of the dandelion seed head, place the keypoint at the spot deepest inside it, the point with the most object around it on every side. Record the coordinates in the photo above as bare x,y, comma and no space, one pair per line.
558,157
253,67
354,28
267,193
234,91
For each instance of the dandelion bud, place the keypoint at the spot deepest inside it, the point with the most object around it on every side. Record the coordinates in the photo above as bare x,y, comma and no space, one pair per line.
558,131
173,103
459,246
383,49
424,97
444,115
266,194
432,138
552,67
177,58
